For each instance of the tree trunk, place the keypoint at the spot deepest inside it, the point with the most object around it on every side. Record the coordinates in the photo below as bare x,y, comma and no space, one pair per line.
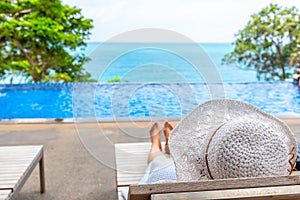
283,71
279,58
35,77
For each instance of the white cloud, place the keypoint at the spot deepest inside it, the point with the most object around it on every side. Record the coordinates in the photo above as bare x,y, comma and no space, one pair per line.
201,20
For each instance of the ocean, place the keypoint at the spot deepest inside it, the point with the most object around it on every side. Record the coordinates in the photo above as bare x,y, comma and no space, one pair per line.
164,63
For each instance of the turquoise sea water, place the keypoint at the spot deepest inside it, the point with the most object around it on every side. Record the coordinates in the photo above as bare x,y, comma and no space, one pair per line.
166,62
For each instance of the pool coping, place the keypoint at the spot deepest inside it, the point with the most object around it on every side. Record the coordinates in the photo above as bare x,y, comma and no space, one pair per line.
288,116
85,120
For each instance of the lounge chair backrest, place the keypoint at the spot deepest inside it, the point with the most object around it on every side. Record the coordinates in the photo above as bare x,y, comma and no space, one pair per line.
144,192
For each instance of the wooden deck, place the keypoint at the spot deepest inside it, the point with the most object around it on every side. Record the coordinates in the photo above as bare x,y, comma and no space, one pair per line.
16,164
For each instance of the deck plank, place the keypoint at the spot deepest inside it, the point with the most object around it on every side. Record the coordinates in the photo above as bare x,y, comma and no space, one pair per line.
284,192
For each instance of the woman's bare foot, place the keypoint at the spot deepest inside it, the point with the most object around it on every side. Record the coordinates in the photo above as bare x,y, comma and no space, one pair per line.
167,130
155,137
155,150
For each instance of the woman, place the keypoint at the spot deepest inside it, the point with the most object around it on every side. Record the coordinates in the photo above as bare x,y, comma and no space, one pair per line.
161,167
221,139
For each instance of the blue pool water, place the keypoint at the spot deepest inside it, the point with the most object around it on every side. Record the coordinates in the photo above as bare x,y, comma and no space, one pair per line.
137,100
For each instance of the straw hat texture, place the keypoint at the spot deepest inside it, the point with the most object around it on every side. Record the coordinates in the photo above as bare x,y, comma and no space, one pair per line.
230,139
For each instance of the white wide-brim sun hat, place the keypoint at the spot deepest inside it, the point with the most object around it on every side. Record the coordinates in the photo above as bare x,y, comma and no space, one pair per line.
230,139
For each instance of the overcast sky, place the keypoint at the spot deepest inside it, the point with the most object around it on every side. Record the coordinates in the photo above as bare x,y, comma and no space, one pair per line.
200,20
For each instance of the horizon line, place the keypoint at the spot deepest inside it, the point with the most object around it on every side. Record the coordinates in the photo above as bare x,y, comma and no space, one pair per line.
158,42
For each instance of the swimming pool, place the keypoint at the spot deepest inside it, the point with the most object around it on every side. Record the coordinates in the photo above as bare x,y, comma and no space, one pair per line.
126,100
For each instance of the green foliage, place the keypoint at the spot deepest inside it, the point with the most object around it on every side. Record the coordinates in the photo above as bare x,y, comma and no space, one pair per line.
38,39
270,43
116,80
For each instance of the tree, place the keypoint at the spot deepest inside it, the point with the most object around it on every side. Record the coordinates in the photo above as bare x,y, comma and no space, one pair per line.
39,40
269,43
116,79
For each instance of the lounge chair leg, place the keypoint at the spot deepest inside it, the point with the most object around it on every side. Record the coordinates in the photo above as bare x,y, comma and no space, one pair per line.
42,174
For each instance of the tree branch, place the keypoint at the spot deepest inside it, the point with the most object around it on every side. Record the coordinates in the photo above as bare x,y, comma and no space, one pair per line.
31,62
279,50
44,66
22,12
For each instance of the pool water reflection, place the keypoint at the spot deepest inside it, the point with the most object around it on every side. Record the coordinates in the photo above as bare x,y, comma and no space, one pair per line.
105,100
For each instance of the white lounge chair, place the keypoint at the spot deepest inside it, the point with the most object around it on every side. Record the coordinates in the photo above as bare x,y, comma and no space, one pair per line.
16,165
131,162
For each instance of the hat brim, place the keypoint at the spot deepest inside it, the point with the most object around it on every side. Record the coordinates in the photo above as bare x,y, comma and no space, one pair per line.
188,139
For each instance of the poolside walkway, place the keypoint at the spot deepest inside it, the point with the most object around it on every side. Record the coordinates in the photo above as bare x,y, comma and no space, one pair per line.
71,171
